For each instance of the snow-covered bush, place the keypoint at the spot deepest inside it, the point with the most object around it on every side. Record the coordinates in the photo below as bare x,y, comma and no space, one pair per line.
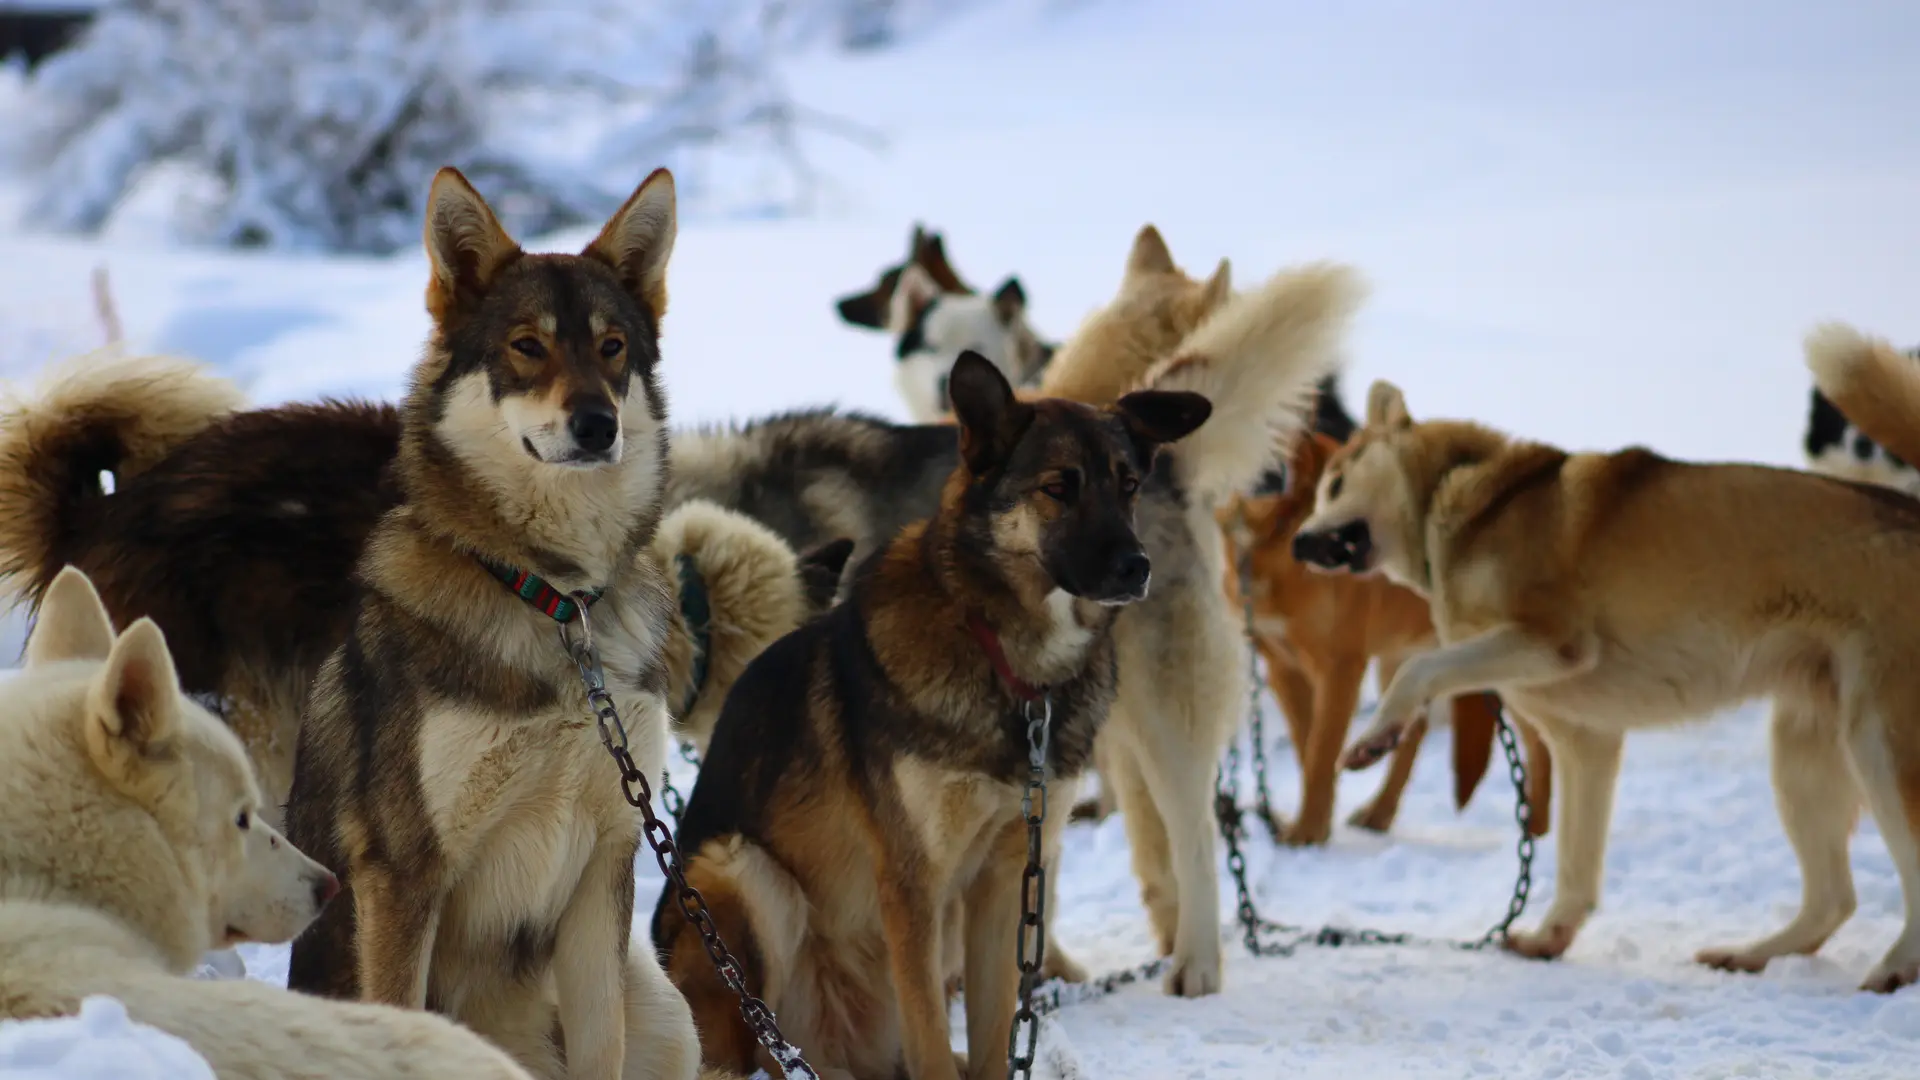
318,123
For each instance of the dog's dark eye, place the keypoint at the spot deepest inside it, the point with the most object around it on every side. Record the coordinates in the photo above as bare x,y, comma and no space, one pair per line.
529,347
611,347
1129,485
243,821
1333,489
1062,489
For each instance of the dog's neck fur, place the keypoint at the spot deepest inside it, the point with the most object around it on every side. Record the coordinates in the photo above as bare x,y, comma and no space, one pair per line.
1470,470
577,528
1048,637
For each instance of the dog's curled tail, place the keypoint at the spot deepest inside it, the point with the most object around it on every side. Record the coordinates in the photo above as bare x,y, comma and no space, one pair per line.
1874,385
103,412
1258,359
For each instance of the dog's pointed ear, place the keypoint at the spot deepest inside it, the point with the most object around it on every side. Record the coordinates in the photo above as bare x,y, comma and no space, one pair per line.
1156,417
638,240
820,571
915,290
991,419
466,246
72,623
932,258
1219,287
1149,254
133,706
1387,407
1009,301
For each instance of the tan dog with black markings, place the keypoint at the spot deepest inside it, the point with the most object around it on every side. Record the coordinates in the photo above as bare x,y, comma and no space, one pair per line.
448,766
1604,593
868,769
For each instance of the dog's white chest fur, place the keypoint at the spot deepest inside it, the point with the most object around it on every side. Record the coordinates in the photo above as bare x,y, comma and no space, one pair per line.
519,804
1066,641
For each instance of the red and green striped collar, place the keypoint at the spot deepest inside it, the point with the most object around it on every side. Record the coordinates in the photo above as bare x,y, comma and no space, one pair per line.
541,596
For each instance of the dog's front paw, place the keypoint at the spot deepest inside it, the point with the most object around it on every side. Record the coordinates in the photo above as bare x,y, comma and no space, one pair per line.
1306,833
1192,978
1376,816
1730,958
1885,979
1058,965
1547,943
1377,743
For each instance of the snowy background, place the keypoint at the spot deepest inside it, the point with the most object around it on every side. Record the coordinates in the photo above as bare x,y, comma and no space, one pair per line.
1596,224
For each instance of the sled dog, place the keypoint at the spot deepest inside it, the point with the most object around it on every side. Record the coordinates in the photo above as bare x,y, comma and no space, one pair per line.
1601,593
933,316
132,841
237,531
814,475
1866,396
448,767
1318,634
1854,435
868,770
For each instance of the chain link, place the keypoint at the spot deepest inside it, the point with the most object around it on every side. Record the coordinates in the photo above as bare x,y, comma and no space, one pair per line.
633,783
1033,893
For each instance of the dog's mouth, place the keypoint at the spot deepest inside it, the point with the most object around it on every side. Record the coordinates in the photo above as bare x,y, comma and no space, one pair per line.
1345,547
573,459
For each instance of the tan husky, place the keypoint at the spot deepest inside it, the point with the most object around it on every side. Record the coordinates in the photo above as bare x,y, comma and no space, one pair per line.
1602,593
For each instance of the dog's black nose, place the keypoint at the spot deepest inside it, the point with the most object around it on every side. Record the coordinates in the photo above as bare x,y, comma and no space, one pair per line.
1346,547
594,427
1131,570
325,888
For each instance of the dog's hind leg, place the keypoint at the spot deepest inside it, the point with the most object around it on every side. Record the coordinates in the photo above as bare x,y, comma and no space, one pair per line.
1884,741
1177,754
1146,839
1818,804
1590,766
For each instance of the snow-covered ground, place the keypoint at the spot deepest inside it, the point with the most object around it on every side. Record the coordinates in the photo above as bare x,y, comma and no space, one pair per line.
1595,224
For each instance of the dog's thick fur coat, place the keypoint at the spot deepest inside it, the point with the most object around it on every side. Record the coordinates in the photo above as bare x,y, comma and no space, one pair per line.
1319,632
448,767
128,847
237,531
864,783
1603,593
816,475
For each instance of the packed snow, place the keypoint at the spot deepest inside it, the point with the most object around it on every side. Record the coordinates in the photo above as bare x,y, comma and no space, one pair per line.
101,1043
1598,225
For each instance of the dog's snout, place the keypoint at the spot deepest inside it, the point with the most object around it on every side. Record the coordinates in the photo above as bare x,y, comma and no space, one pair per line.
594,426
1347,547
1131,570
325,888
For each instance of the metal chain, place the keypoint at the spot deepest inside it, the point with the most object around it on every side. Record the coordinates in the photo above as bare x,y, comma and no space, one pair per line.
613,736
669,795
1232,830
1033,893
1257,724
1252,926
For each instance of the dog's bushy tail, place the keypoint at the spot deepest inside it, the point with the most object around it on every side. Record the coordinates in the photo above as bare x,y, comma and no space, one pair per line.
1259,358
103,412
1874,385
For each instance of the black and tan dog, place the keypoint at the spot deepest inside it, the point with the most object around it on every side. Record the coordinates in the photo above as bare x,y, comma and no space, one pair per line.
237,531
865,778
447,768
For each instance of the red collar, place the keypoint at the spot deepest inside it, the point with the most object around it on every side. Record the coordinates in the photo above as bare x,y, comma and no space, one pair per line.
990,643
